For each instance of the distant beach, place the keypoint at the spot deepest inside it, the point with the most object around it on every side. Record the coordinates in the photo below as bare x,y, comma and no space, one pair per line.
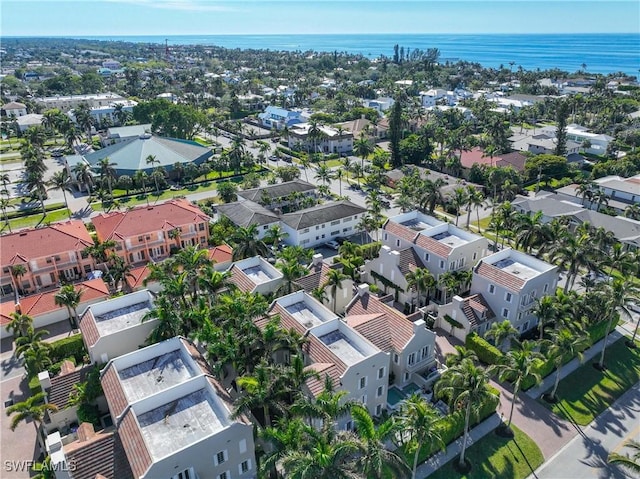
601,53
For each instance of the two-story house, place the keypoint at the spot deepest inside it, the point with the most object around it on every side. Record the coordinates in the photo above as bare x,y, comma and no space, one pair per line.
148,233
37,258
510,282
331,140
255,275
277,118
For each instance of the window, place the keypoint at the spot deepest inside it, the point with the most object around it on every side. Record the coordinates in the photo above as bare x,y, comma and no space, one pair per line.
265,227
411,359
349,426
460,262
505,313
492,289
426,256
424,353
452,266
221,457
396,358
87,268
335,233
49,261
347,219
344,230
5,270
475,256
546,288
378,409
83,255
441,264
337,222
306,230
363,399
224,475
201,226
519,316
317,238
507,297
386,236
380,391
303,242
380,373
186,474
363,382
245,466
397,242
405,377
243,446
317,227
525,326
140,238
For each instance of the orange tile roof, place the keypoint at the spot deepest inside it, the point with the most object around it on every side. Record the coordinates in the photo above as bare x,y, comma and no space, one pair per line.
499,276
137,276
38,304
221,253
146,219
399,230
23,246
134,445
473,308
387,328
316,386
433,246
113,391
241,280
100,456
62,386
318,352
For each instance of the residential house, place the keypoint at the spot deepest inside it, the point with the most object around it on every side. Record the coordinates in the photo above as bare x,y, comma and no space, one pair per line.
173,417
25,122
592,143
476,155
14,109
463,316
107,112
434,96
255,275
116,326
362,126
330,141
148,233
43,309
245,213
410,345
626,190
277,118
510,282
541,143
46,254
380,104
317,279
318,225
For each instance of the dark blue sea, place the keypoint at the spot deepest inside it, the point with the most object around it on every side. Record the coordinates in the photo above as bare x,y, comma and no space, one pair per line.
601,53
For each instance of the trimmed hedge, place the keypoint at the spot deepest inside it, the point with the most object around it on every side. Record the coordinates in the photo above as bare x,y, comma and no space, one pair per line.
72,346
486,352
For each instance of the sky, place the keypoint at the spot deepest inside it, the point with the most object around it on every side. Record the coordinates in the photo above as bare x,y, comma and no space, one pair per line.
200,17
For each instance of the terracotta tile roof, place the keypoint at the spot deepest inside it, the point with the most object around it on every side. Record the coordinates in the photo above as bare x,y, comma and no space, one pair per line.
433,246
317,276
89,329
39,304
137,276
499,276
387,328
99,456
134,445
317,352
409,261
477,310
476,155
113,392
316,386
221,254
241,280
399,230
146,219
25,245
62,386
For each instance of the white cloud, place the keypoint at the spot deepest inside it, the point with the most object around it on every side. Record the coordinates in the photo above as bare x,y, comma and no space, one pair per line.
184,5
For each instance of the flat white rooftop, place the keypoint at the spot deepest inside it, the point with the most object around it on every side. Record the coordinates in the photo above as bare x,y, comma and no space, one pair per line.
450,239
175,425
304,315
155,375
416,224
121,318
342,347
257,274
516,268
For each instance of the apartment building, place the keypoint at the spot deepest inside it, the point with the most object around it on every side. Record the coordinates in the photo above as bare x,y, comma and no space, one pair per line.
173,418
148,233
44,256
69,102
280,195
510,282
331,140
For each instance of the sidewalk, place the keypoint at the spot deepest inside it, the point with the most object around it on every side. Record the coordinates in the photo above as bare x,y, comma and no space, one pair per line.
548,382
453,450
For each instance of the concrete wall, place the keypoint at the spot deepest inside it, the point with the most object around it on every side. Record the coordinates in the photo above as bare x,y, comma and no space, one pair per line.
122,342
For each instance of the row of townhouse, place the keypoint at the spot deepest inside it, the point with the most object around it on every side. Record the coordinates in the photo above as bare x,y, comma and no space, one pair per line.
504,285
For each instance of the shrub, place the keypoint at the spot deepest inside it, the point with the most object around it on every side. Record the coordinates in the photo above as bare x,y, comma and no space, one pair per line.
72,346
598,330
486,352
89,413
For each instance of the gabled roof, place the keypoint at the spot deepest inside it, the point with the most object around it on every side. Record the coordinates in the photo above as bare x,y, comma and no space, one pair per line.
387,328
221,253
133,443
332,365
244,213
316,386
14,105
241,280
399,230
498,276
23,246
317,276
99,456
279,190
433,246
120,225
62,386
38,304
477,310
409,261
137,276
321,214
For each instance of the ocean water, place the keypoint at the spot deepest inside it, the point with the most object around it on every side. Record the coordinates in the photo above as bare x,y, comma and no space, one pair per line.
602,53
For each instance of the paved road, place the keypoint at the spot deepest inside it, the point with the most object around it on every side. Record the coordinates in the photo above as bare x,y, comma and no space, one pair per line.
585,456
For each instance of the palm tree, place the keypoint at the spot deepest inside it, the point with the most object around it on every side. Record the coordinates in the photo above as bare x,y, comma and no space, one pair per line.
151,160
107,172
83,175
630,463
566,344
633,212
466,385
37,187
323,174
422,280
17,272
458,200
61,181
338,175
573,254
618,297
32,409
274,236
247,243
287,435
291,271
475,200
519,365
69,297
500,333
168,322
374,459
546,310
363,148
531,231
5,203
19,324
417,429
334,282
261,390
462,353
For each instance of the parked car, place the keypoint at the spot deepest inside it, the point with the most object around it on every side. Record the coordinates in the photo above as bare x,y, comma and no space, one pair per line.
333,244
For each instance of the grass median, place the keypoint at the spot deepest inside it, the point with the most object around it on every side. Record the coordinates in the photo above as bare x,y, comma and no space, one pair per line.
497,457
587,392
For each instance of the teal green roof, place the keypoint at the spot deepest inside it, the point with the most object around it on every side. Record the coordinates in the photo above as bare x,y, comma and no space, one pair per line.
131,154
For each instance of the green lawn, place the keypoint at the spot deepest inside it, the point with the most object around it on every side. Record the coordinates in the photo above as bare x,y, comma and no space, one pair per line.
36,220
587,392
497,457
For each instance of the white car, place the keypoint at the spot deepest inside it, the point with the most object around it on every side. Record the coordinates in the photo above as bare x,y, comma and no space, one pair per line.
333,244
